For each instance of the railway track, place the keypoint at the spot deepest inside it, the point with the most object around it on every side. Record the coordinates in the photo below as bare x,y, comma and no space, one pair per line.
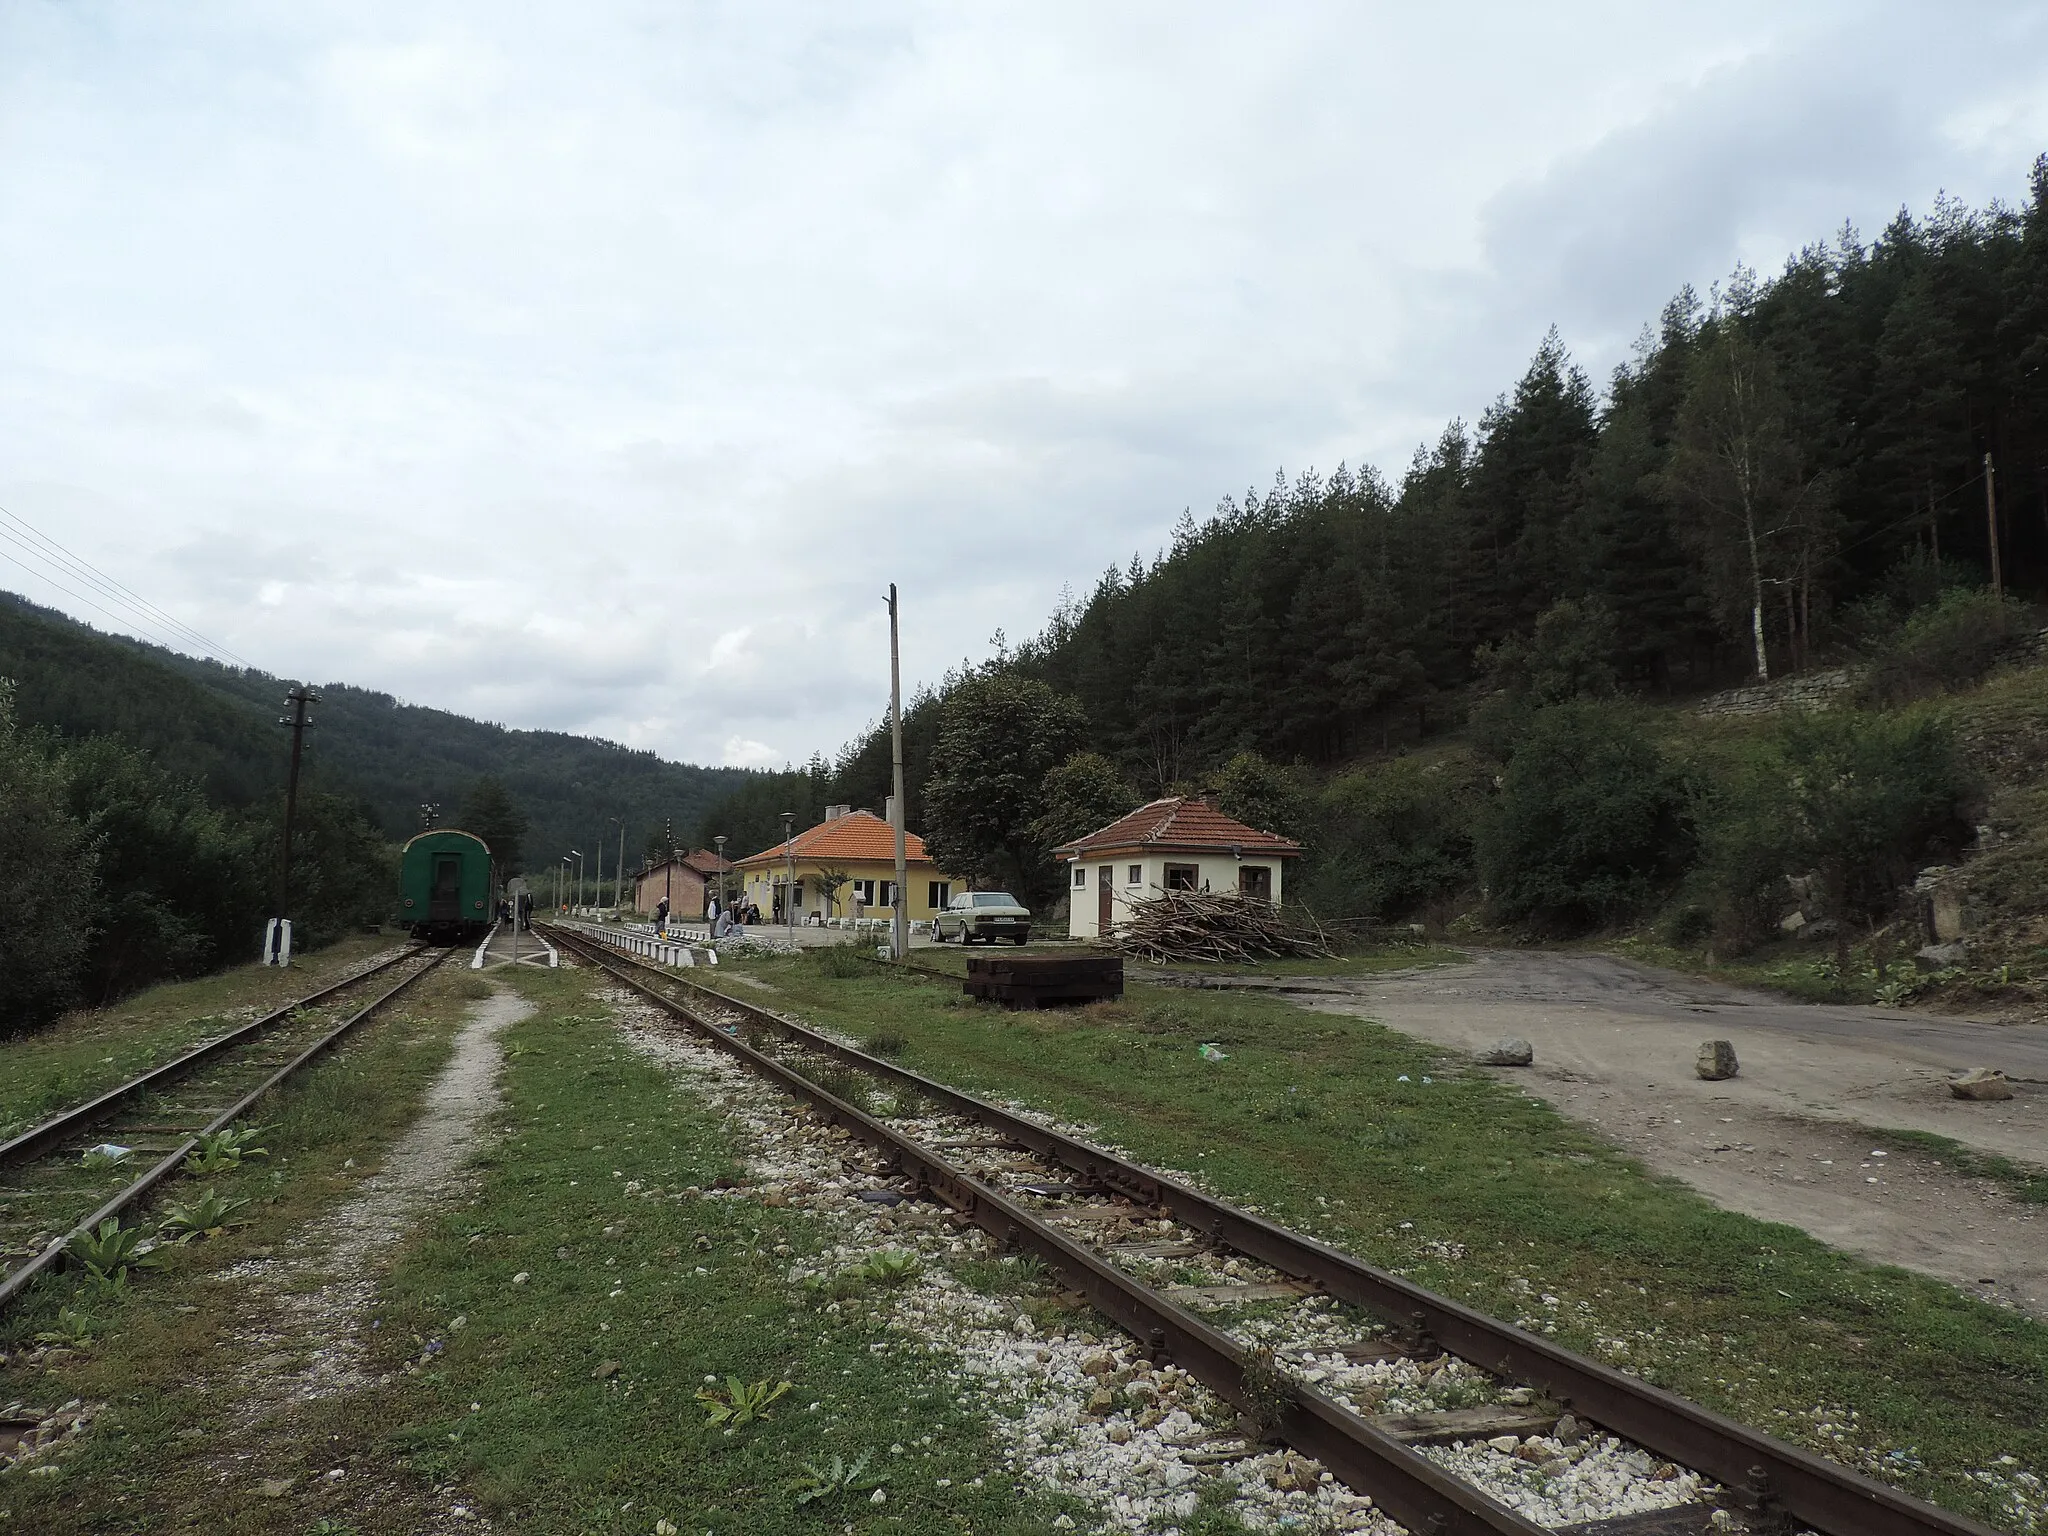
1078,1208
45,1180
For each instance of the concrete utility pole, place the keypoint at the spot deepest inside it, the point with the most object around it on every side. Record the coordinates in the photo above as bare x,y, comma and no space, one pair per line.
277,941
1991,524
789,865
619,874
724,888
602,833
899,920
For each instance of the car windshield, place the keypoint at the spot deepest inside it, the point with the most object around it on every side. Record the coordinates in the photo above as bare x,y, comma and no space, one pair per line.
994,899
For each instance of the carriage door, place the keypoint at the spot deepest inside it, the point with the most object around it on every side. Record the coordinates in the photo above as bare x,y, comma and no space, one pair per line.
1102,891
444,903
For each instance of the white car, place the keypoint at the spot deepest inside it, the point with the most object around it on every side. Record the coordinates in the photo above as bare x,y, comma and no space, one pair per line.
986,915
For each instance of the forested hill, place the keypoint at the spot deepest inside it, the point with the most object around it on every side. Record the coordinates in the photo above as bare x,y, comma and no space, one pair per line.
216,724
1788,474
1778,474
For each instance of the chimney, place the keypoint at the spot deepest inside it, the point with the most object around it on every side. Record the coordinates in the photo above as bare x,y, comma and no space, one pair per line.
834,812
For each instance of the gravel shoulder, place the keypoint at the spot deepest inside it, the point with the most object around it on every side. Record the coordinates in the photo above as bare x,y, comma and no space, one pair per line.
1614,1045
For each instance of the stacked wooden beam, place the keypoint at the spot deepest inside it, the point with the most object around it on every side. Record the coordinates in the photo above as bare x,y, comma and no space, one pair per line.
1036,981
1174,927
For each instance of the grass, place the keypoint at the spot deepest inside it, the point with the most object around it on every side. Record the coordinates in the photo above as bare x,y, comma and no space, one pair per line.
667,1290
91,1050
147,1464
1381,1145
568,1402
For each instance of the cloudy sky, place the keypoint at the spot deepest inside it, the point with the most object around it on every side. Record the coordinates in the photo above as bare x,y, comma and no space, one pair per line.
596,365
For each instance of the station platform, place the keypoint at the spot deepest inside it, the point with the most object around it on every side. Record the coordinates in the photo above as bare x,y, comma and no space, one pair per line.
502,946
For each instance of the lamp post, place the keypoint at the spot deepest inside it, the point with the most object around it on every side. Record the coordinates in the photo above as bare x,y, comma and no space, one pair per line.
668,870
597,900
789,882
724,894
561,870
576,891
619,874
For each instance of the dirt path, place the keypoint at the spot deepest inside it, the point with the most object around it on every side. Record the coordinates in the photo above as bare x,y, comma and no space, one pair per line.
301,1339
1614,1045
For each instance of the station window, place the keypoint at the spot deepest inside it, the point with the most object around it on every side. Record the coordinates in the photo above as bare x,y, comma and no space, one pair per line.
1183,877
938,893
1136,875
864,892
1255,880
889,894
1080,877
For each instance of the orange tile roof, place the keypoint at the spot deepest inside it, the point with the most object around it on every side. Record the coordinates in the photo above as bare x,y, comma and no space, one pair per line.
858,837
1179,824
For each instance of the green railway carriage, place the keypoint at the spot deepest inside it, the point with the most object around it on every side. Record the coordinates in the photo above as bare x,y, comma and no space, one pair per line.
444,886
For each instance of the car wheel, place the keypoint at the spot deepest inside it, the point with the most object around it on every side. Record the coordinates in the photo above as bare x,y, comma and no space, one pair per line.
1021,938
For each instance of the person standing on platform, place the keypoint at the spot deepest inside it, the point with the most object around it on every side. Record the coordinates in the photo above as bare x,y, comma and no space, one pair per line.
711,912
661,917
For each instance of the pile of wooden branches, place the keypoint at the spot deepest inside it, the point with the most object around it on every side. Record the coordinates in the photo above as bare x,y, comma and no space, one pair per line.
1172,927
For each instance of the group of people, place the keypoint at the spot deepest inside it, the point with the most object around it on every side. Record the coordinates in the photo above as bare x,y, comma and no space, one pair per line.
724,920
524,907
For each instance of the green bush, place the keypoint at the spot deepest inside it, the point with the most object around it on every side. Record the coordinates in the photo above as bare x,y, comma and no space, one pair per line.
1590,824
1395,838
1269,796
843,961
1857,800
1947,645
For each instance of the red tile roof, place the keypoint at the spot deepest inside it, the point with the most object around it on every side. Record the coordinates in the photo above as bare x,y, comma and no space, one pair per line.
1178,824
858,837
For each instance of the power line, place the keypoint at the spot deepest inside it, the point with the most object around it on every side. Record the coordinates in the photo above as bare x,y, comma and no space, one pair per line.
122,595
139,611
68,592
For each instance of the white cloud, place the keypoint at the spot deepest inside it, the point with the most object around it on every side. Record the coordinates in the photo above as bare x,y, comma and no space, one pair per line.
742,753
596,367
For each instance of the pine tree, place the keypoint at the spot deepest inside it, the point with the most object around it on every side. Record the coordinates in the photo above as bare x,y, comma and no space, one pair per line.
490,812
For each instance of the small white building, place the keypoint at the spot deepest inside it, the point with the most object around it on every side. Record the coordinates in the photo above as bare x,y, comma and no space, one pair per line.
1179,843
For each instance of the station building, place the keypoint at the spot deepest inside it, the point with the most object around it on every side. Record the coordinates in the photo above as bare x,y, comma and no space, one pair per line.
1179,843
857,845
687,880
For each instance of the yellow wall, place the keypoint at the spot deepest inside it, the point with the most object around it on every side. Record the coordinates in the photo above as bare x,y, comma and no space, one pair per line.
761,884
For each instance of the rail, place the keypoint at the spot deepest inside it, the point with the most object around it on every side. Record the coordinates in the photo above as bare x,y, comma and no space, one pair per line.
1767,1477
18,1281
